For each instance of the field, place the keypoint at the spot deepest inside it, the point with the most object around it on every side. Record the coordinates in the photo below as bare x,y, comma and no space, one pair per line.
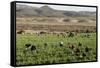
55,40
53,52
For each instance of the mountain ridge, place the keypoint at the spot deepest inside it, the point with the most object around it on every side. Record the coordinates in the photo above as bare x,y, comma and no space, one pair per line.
26,11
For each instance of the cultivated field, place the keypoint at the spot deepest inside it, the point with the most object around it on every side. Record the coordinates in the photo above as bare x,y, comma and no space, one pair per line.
47,40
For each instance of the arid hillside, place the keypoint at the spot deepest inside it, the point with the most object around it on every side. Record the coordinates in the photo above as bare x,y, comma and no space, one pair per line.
63,24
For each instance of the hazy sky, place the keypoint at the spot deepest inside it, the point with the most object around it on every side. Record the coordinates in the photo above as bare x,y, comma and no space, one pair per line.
60,7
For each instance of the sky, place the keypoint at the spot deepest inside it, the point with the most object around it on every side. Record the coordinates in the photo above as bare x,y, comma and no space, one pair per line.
61,7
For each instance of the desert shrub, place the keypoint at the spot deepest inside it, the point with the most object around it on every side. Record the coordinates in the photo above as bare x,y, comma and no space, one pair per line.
93,19
46,20
87,31
82,20
77,30
20,31
71,34
66,20
43,32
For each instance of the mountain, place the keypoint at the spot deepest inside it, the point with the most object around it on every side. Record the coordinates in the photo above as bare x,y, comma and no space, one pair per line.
26,11
47,8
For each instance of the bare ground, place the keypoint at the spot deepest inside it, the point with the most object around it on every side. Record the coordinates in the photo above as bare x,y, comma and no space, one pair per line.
56,24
